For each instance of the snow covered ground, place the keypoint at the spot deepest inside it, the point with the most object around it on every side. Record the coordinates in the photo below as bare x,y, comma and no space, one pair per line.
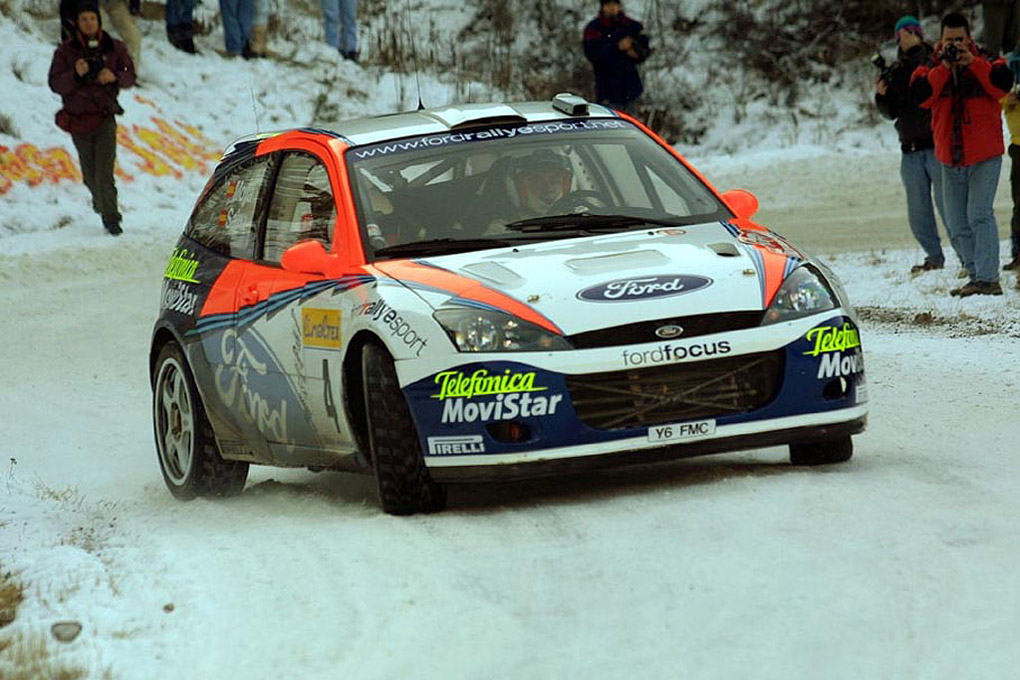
899,564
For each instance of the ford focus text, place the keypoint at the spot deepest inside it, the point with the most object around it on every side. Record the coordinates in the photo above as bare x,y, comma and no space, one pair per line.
484,292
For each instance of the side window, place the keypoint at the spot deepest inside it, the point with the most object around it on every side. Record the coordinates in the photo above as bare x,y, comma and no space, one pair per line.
302,207
225,220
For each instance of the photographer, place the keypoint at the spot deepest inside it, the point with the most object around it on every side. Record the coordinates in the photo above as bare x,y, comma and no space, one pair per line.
87,71
962,89
919,169
615,45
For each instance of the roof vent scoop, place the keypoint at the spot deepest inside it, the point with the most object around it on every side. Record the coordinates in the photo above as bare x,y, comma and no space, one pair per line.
570,104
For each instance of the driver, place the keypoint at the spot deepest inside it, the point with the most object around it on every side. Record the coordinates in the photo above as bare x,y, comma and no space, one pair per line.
538,180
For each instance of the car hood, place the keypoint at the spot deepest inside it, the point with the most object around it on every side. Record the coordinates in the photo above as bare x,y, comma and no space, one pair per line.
582,284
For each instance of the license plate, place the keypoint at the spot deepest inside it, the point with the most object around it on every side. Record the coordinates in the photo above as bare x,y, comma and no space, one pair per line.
681,431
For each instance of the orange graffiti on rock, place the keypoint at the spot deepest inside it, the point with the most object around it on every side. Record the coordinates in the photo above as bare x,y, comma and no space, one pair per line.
164,151
151,163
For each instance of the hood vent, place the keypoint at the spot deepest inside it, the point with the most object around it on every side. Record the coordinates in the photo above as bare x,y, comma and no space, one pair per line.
618,262
724,249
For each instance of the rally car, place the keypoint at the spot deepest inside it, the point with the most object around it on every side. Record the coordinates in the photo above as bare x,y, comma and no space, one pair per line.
482,292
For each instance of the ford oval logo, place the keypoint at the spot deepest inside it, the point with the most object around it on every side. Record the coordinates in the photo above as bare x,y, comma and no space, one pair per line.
644,288
667,332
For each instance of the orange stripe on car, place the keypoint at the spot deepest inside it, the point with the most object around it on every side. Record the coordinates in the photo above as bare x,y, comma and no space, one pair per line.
463,287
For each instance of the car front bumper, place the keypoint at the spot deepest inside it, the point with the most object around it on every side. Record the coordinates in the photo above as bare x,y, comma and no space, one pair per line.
519,415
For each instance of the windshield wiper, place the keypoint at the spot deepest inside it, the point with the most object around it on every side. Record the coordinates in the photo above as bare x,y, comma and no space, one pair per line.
442,245
589,222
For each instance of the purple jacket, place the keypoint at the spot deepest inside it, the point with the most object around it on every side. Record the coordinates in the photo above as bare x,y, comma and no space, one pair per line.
84,98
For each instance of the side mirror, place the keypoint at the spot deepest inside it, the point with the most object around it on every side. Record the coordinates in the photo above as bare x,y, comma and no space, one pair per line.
310,257
742,202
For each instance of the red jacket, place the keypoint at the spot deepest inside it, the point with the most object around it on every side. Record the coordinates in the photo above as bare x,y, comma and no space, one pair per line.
965,115
85,100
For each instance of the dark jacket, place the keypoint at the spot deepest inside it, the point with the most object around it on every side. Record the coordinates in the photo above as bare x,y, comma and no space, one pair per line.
913,123
86,101
616,75
966,117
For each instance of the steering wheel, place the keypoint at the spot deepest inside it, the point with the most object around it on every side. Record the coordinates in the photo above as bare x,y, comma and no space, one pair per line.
578,202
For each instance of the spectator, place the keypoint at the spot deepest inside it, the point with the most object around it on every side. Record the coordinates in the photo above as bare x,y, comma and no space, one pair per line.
963,89
1011,105
120,15
919,169
87,72
260,29
237,16
180,25
340,23
1002,25
615,45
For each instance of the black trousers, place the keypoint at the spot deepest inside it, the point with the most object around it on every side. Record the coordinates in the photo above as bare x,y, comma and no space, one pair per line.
97,151
1002,27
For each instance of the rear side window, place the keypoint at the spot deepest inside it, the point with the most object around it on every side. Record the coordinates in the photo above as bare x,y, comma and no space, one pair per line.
302,206
227,217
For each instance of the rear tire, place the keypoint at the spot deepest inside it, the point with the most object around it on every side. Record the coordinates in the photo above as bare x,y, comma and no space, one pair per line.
185,445
822,453
405,486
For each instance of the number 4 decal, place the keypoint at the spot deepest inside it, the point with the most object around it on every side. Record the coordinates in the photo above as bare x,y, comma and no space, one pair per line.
327,393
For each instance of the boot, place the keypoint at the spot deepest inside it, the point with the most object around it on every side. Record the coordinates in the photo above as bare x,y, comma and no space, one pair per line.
112,224
259,39
180,36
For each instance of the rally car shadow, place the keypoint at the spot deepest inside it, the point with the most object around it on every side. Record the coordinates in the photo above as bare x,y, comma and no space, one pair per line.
595,485
352,491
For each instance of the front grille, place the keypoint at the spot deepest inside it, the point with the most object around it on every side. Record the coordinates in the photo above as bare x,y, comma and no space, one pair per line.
677,392
637,333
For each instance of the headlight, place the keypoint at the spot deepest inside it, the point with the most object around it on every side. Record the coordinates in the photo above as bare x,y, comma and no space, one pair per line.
474,330
803,293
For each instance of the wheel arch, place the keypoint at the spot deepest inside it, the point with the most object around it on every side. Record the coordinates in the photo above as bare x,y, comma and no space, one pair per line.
354,385
160,337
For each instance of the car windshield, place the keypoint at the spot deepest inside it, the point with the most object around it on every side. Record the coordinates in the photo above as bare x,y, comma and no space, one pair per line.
454,192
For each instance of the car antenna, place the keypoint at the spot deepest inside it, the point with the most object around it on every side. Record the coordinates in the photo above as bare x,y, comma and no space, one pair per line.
254,110
414,55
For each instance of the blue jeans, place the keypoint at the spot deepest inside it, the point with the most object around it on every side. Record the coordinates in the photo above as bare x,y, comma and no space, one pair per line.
968,193
237,17
337,13
179,12
922,173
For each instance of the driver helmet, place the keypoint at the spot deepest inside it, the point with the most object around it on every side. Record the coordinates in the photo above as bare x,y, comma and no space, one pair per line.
540,179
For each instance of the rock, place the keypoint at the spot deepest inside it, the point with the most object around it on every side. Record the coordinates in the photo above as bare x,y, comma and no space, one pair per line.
65,631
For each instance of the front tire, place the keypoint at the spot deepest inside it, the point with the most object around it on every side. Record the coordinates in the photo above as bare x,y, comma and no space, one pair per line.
822,453
405,486
185,445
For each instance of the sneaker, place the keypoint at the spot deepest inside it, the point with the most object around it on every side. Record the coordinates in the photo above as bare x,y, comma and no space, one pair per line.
926,266
977,288
112,225
1012,265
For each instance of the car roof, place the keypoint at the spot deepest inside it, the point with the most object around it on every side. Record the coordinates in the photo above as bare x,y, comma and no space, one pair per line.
374,129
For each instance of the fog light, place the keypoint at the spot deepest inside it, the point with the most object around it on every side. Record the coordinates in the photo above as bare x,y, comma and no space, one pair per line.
509,431
836,388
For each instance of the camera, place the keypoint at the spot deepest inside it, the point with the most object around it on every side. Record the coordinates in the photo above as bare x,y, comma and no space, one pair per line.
951,53
96,64
885,70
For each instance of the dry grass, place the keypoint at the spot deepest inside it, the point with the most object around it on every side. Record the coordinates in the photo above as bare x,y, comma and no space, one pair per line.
28,657
10,597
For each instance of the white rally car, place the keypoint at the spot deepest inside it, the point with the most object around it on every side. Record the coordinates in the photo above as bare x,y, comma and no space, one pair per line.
487,291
